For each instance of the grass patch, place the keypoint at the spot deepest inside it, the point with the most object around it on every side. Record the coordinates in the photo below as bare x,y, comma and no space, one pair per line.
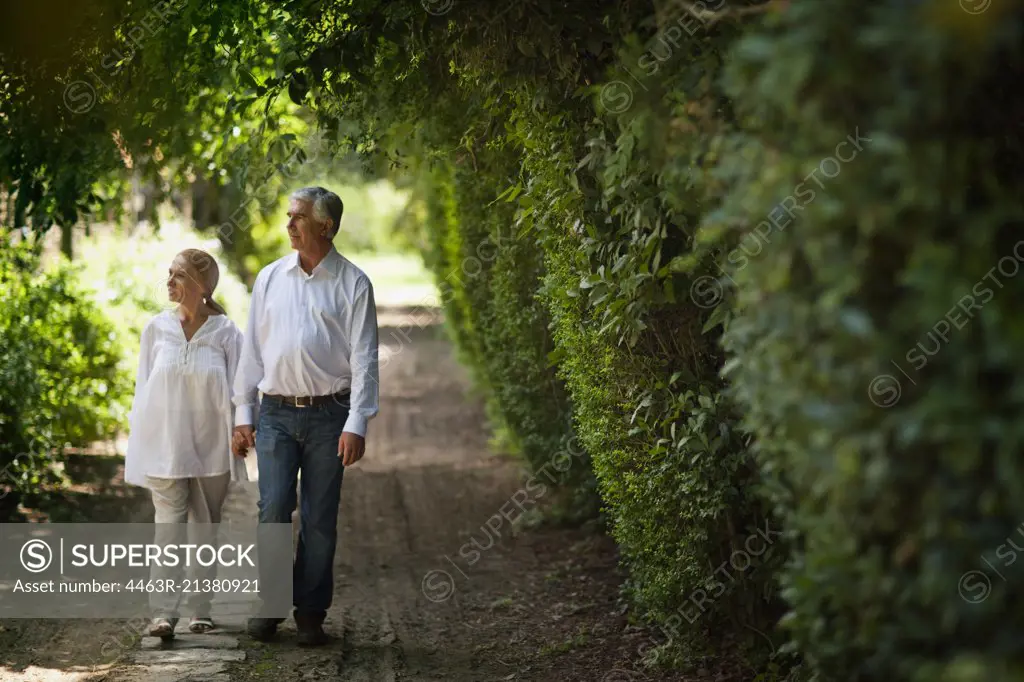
578,640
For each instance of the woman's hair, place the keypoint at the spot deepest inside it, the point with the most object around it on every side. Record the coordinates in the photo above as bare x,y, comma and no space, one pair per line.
203,266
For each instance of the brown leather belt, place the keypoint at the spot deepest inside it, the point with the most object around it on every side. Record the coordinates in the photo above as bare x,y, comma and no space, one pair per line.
310,400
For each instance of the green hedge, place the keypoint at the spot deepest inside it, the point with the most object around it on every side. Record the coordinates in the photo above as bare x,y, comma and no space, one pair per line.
876,353
673,469
488,279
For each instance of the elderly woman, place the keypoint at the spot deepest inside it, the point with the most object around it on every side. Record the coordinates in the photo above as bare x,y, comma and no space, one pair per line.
182,415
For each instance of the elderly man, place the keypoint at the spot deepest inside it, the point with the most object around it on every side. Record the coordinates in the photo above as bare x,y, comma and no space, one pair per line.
311,349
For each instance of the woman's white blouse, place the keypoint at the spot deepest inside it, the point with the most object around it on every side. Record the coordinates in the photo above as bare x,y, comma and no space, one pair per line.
182,416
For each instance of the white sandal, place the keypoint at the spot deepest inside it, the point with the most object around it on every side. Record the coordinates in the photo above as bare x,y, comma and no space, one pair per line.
200,626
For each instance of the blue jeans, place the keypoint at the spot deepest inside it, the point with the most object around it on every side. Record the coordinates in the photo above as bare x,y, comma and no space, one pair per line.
288,439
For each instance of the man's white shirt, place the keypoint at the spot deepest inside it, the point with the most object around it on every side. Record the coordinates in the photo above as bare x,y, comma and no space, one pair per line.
311,335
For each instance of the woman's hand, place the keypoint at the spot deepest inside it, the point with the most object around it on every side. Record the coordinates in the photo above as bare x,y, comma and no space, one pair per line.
242,438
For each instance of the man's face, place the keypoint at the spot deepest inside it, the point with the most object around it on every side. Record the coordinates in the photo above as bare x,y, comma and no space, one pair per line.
303,229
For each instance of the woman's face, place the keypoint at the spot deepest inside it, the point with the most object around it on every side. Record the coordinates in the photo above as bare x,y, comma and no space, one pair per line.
182,282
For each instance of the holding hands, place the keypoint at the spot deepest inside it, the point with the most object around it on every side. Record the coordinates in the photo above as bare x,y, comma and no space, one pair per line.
243,438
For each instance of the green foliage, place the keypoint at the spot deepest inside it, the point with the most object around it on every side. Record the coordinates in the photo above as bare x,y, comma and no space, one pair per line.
673,470
875,350
488,281
447,261
61,380
187,94
651,286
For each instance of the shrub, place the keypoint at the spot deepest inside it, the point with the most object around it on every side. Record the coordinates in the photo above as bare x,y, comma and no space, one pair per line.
59,364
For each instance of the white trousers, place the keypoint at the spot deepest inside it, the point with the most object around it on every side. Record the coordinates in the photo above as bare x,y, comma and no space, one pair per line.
198,500
177,501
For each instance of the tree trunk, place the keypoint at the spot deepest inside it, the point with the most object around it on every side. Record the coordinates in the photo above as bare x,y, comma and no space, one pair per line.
65,240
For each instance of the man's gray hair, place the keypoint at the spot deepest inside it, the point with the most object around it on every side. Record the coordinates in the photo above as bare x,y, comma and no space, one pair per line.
326,205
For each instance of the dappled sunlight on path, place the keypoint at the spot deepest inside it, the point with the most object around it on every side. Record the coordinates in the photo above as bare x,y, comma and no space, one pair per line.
34,674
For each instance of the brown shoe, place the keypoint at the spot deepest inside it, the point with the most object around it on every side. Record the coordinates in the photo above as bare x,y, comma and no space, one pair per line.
262,629
310,629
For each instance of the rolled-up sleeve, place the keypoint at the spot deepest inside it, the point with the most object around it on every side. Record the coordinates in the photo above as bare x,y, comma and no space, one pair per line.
365,397
249,372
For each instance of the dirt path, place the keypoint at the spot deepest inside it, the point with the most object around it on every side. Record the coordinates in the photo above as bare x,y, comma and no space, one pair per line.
433,580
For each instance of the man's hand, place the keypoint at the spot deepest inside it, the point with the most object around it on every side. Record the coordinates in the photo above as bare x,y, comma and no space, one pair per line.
351,448
243,438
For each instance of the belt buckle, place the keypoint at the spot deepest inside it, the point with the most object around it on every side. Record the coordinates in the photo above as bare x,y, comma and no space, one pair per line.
298,401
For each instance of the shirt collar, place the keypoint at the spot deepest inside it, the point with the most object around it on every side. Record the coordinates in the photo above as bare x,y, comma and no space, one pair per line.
330,262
